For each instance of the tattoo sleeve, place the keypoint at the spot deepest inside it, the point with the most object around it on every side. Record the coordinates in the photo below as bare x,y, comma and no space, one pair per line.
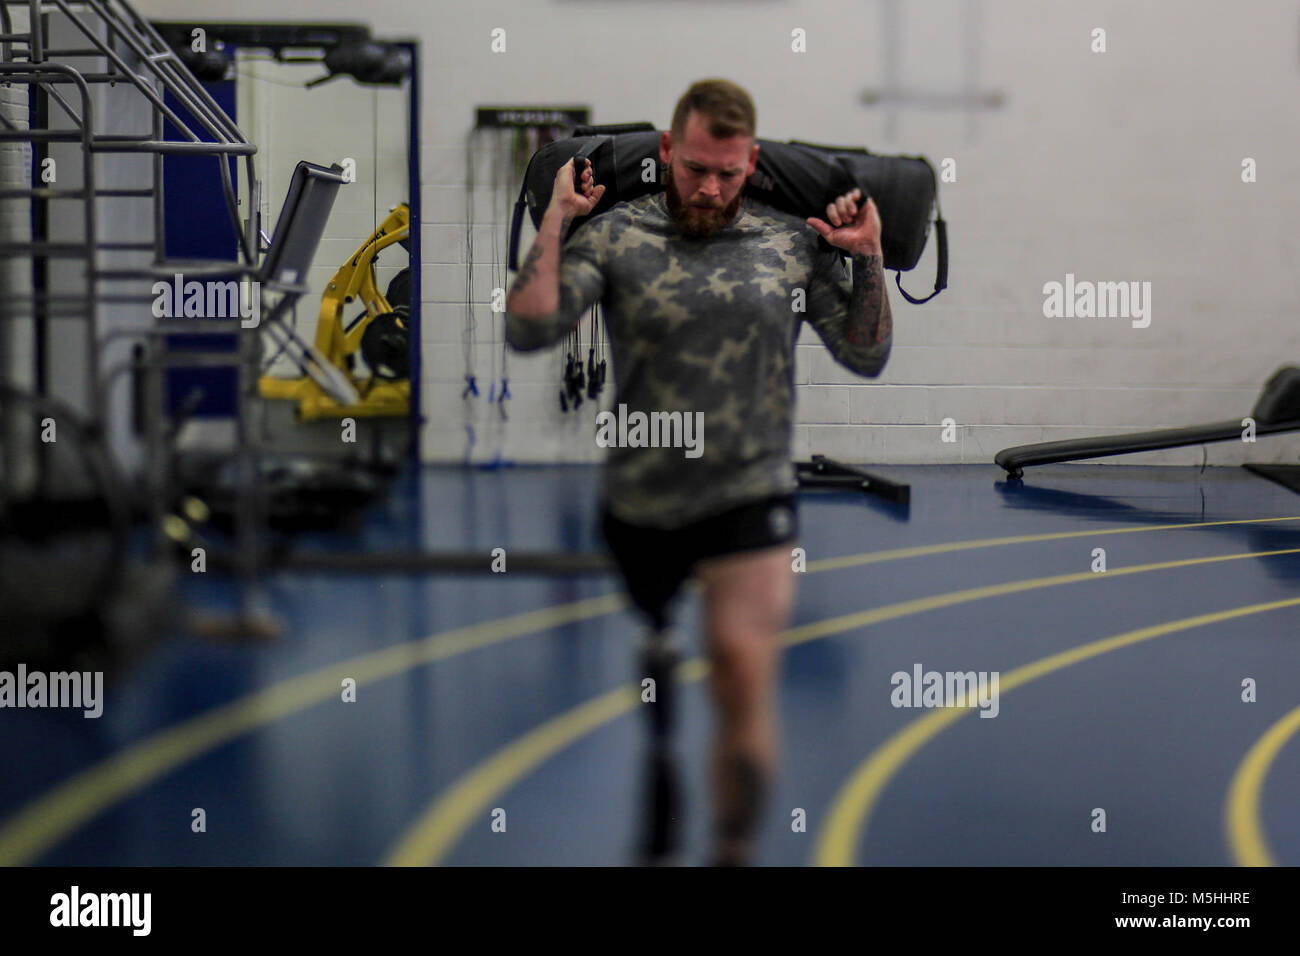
861,339
534,305
869,320
528,271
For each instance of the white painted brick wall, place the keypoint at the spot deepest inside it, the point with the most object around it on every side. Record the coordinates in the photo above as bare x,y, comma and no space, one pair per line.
1115,166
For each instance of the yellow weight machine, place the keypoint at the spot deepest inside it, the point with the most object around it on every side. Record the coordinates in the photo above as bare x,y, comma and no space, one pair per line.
355,279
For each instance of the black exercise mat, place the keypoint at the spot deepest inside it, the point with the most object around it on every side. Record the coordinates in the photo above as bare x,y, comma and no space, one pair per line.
1288,476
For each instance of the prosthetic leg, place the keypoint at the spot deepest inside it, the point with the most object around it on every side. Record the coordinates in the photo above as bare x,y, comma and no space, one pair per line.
659,655
653,575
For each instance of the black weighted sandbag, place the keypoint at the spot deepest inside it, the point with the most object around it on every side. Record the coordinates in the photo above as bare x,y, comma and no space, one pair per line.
905,191
797,178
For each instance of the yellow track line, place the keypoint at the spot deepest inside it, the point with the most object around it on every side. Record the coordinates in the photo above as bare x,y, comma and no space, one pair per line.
49,818
871,557
441,826
1245,832
446,821
851,808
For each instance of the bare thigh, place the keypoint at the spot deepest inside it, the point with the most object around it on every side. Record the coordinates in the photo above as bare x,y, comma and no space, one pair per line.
747,597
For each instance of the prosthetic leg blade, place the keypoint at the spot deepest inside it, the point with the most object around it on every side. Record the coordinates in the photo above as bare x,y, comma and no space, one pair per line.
661,829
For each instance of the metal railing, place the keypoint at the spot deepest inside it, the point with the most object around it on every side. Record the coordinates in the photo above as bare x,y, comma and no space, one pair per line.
120,48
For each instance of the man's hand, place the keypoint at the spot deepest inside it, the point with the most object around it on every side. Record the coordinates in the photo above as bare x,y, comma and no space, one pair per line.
569,202
856,228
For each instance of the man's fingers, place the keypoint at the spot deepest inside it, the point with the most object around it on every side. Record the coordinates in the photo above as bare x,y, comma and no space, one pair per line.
565,176
821,227
832,214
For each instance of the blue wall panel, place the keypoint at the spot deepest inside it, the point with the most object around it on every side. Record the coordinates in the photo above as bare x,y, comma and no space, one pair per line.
198,227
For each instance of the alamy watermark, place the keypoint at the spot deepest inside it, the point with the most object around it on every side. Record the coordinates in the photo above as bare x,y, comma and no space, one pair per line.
653,430
75,908
946,689
208,300
1098,300
58,689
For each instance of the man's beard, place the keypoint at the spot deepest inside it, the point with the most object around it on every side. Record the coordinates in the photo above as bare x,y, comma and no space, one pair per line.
693,220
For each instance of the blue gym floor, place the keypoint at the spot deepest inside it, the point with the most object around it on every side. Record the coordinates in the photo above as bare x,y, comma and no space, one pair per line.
1120,691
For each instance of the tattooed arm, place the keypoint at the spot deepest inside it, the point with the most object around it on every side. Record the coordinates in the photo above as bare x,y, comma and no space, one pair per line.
546,298
856,325
533,315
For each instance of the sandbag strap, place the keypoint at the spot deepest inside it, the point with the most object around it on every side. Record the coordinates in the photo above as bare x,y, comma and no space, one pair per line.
941,272
941,267
515,222
588,148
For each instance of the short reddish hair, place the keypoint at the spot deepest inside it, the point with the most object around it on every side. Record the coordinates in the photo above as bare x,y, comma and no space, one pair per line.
726,107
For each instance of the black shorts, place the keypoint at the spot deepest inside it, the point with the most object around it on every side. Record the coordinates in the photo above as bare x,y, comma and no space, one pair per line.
654,562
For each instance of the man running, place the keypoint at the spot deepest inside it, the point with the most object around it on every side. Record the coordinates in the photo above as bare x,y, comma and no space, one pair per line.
703,293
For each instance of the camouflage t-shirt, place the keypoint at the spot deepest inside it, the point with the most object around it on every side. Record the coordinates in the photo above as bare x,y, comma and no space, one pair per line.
705,327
